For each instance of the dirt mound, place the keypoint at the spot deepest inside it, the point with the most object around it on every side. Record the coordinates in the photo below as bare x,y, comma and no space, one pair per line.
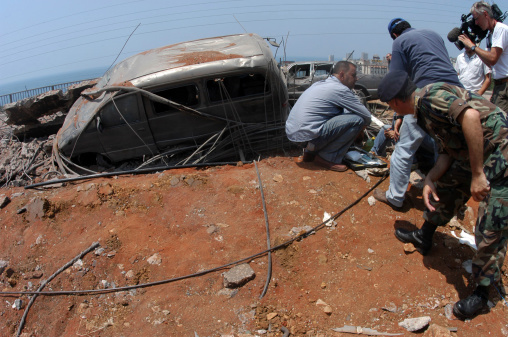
170,224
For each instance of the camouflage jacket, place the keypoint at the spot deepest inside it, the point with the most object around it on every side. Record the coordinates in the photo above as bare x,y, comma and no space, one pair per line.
437,107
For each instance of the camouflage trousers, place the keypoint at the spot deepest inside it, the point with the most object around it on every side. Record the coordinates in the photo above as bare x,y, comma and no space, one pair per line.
500,96
491,233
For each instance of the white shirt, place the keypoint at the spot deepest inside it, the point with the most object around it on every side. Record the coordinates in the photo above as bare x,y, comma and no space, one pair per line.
471,71
499,38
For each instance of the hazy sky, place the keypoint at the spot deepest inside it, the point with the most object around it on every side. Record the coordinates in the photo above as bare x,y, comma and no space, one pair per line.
55,36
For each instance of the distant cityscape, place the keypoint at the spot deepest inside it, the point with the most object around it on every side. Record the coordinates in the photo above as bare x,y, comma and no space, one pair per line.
369,66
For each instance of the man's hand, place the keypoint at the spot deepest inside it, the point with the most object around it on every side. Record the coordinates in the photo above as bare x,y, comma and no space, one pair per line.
429,189
391,134
480,187
466,41
398,124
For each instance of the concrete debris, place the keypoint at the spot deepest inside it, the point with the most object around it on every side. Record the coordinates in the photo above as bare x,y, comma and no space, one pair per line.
371,200
391,307
437,331
18,304
415,324
238,276
416,179
21,162
300,230
4,200
3,265
29,110
364,174
409,248
227,292
324,306
155,259
37,208
448,310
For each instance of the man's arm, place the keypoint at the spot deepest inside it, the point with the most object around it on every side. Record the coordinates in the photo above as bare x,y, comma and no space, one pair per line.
485,85
472,128
489,57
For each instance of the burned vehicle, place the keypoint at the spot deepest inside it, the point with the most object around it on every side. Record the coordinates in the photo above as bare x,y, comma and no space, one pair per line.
198,101
301,75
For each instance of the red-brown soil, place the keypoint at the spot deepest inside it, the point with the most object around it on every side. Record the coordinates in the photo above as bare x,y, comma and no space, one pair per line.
204,218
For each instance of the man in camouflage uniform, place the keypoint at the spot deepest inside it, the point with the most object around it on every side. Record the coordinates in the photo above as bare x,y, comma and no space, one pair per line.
472,135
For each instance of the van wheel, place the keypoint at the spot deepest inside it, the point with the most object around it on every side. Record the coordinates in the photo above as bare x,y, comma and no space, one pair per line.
361,96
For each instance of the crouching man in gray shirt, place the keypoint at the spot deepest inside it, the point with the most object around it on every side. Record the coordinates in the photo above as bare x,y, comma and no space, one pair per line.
328,117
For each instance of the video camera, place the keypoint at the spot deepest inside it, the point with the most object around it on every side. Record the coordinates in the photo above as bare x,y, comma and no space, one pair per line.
471,30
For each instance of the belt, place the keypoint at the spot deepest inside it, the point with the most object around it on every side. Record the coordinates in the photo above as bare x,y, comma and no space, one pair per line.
500,81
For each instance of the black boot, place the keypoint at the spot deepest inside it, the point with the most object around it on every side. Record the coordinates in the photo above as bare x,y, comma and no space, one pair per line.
472,305
421,238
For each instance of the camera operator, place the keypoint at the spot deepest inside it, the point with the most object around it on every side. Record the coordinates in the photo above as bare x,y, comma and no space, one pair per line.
496,55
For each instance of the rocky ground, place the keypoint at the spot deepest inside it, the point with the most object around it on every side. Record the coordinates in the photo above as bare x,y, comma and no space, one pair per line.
180,227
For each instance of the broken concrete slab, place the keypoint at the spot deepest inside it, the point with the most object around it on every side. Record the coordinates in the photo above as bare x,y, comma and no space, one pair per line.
415,324
29,110
238,276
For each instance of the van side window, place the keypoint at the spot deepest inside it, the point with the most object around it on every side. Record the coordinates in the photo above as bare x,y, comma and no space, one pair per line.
186,95
323,69
236,87
128,106
300,70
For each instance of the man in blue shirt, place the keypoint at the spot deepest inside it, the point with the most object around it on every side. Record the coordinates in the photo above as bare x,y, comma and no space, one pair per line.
328,117
422,54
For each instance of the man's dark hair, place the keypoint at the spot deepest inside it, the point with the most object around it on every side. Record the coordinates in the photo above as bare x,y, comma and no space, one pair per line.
342,66
400,27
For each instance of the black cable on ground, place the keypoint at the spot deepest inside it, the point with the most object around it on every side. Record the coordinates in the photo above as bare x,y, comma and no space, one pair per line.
43,283
268,245
204,272
111,174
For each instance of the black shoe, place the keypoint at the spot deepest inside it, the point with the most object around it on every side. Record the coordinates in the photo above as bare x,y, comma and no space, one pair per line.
416,238
470,306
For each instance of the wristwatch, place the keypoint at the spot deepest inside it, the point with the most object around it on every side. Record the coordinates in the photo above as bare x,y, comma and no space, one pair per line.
473,48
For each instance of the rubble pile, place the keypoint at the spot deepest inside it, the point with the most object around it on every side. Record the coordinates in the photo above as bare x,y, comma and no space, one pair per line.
22,162
27,130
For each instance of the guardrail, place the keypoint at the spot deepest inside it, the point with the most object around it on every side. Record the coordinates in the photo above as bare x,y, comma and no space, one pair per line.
17,96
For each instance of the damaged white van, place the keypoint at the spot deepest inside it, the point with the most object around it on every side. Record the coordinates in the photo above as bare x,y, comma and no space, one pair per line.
198,101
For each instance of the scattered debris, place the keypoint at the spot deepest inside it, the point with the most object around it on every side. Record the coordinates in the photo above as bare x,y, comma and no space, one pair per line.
435,330
329,221
363,331
364,174
409,248
155,259
448,310
4,200
3,265
417,179
391,307
324,306
18,304
371,200
415,324
466,239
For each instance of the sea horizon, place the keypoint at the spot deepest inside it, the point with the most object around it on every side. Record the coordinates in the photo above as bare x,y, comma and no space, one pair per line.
52,79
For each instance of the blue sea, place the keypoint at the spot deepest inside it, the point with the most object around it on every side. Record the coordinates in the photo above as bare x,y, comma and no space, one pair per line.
43,81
